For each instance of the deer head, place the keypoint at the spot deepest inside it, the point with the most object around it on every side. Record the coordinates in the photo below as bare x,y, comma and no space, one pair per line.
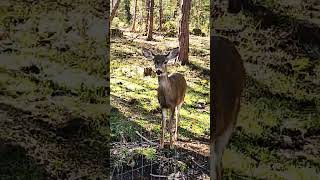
160,61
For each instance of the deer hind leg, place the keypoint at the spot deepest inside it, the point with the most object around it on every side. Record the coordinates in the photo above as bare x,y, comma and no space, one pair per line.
163,128
222,140
219,146
171,126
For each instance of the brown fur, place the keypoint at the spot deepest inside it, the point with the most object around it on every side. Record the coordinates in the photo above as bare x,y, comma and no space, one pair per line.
171,90
227,84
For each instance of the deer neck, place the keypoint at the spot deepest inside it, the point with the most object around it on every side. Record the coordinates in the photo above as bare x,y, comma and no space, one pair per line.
164,82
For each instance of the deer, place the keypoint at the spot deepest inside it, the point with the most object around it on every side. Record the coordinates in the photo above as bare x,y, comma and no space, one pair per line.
227,82
171,92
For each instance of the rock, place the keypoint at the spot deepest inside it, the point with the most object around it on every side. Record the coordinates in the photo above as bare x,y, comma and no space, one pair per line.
200,106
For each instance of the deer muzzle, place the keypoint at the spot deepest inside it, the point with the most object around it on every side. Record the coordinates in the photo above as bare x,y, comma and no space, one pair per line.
159,72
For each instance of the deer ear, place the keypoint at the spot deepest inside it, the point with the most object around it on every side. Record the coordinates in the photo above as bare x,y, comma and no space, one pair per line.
173,54
147,53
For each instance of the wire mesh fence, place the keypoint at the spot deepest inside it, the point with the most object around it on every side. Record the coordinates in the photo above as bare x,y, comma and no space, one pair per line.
143,159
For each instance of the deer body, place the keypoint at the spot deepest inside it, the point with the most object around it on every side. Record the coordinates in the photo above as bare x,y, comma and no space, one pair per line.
171,90
228,79
171,93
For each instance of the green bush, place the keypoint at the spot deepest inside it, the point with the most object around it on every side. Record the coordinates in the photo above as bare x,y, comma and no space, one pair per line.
170,25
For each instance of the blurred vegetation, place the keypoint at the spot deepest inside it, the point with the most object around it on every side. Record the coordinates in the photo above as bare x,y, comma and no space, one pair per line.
200,11
53,90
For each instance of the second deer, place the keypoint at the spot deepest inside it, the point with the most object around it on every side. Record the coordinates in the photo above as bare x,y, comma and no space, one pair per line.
227,85
171,93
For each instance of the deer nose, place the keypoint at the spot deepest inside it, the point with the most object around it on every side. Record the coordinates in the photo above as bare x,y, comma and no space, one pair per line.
158,72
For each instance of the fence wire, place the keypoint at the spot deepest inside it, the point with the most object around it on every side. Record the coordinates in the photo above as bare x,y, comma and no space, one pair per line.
165,164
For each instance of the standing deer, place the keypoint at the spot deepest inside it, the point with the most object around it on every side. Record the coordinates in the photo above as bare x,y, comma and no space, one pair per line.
171,92
227,84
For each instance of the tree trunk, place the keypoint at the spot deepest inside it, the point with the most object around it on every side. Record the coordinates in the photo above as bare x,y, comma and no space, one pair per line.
141,14
134,16
234,6
147,16
114,10
150,24
184,32
160,15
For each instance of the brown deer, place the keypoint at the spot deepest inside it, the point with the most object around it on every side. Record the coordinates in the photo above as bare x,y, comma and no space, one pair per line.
227,84
171,92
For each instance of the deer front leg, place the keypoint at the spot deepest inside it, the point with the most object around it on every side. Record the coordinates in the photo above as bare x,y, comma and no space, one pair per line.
172,128
163,127
177,122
